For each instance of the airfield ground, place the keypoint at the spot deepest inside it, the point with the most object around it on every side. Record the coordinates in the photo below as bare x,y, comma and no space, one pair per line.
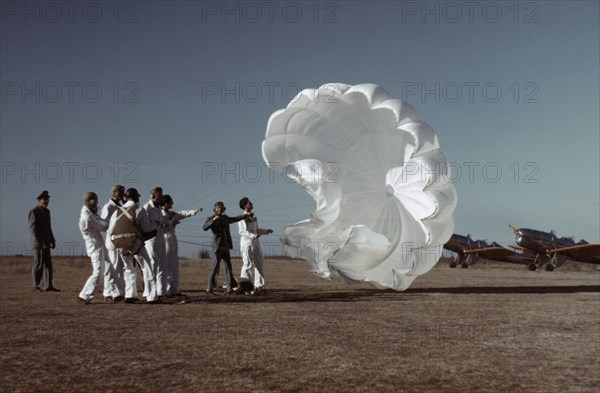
490,328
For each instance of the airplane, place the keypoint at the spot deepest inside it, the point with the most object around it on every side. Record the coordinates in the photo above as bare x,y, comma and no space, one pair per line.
551,251
469,251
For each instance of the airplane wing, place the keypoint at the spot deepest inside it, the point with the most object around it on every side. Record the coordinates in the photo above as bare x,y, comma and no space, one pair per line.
584,250
491,252
524,250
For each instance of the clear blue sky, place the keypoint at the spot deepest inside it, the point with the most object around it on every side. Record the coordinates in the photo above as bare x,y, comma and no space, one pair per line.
170,92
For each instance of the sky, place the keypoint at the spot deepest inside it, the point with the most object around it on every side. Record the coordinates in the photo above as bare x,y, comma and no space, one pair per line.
178,94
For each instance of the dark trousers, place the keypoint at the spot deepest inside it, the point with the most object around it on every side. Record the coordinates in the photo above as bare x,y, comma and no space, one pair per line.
217,256
42,265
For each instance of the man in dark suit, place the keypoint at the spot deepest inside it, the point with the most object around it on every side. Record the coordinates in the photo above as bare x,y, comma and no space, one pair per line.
43,240
222,243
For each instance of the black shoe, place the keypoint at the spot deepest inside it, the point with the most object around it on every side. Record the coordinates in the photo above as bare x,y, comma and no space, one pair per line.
210,292
83,301
130,300
119,299
37,289
52,289
109,299
157,301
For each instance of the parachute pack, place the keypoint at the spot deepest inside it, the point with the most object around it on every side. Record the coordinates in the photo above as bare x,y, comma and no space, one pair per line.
125,232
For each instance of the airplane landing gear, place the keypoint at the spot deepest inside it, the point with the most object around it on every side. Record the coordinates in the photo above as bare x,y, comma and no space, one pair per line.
531,267
549,267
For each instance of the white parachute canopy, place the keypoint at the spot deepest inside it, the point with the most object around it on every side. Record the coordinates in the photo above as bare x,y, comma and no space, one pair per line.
381,184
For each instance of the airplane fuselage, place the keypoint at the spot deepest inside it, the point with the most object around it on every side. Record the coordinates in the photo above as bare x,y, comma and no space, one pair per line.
544,243
459,243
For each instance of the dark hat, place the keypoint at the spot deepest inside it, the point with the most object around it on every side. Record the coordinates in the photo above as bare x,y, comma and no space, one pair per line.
166,199
117,187
43,195
132,192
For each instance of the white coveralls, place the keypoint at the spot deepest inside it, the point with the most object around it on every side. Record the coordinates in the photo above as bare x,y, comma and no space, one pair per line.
114,275
91,226
142,259
151,218
172,276
251,250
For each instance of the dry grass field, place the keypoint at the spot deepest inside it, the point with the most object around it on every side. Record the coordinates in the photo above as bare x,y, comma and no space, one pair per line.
489,328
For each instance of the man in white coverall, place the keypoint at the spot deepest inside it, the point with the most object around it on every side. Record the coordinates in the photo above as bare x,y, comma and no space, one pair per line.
137,252
91,225
250,246
173,218
114,274
151,218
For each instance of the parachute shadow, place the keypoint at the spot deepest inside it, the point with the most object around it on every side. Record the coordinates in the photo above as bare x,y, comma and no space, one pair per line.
359,295
302,296
509,290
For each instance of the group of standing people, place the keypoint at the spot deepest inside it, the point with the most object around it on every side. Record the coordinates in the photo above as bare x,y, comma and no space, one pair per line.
222,242
152,245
